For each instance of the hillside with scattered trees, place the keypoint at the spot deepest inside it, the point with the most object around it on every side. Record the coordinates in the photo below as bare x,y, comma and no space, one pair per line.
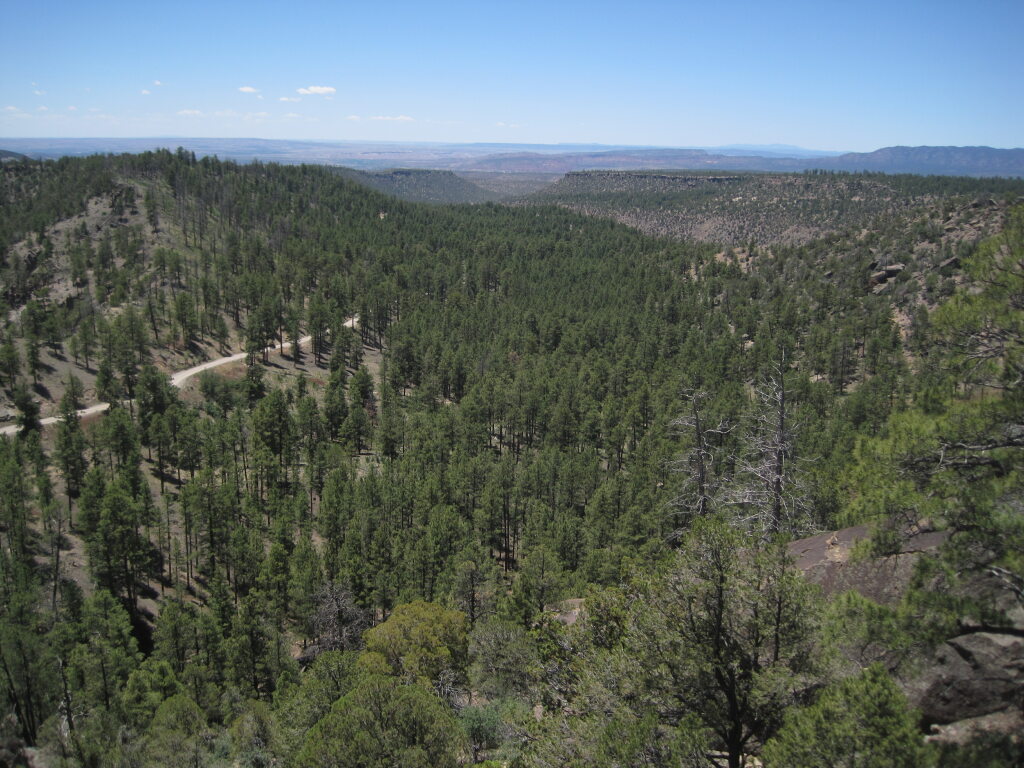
768,208
507,485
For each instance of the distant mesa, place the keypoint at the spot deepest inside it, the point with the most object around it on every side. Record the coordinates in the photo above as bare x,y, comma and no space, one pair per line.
943,161
555,158
736,208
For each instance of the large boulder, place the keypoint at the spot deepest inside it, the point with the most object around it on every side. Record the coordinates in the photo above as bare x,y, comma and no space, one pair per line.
828,560
878,277
972,681
971,675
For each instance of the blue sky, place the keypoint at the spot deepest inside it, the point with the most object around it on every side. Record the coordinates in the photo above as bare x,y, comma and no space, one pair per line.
824,75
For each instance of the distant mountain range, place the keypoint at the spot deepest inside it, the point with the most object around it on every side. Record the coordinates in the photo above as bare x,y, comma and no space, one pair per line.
555,158
944,161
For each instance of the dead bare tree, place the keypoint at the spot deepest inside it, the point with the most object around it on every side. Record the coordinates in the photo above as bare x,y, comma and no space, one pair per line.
770,491
701,491
338,621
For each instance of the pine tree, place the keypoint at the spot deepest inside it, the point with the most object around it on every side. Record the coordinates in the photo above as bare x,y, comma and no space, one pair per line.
69,447
862,722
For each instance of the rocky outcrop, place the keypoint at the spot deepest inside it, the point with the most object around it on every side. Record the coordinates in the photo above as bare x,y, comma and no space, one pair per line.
826,560
970,676
879,279
1008,724
949,266
972,683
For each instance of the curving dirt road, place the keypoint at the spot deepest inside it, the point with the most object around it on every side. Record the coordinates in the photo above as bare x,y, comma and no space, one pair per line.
177,379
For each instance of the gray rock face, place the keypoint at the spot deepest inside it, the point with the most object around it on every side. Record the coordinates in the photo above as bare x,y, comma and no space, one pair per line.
972,675
976,677
826,560
1010,723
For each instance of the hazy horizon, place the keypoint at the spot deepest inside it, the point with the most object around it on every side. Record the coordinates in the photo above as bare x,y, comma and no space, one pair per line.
739,146
787,150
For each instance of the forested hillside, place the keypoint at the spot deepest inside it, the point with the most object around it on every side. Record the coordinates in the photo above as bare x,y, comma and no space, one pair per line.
419,185
371,548
771,208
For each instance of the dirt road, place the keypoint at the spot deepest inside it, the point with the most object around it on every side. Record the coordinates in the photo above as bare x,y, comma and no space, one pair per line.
177,379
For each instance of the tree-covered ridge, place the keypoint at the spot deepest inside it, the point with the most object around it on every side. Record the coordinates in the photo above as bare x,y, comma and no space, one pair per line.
422,186
535,404
764,208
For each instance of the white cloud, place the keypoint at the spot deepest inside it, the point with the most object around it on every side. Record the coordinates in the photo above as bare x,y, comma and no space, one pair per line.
289,98
353,117
11,109
157,83
72,109
224,113
189,112
39,93
94,109
257,115
249,89
145,92
43,109
394,119
500,124
318,90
